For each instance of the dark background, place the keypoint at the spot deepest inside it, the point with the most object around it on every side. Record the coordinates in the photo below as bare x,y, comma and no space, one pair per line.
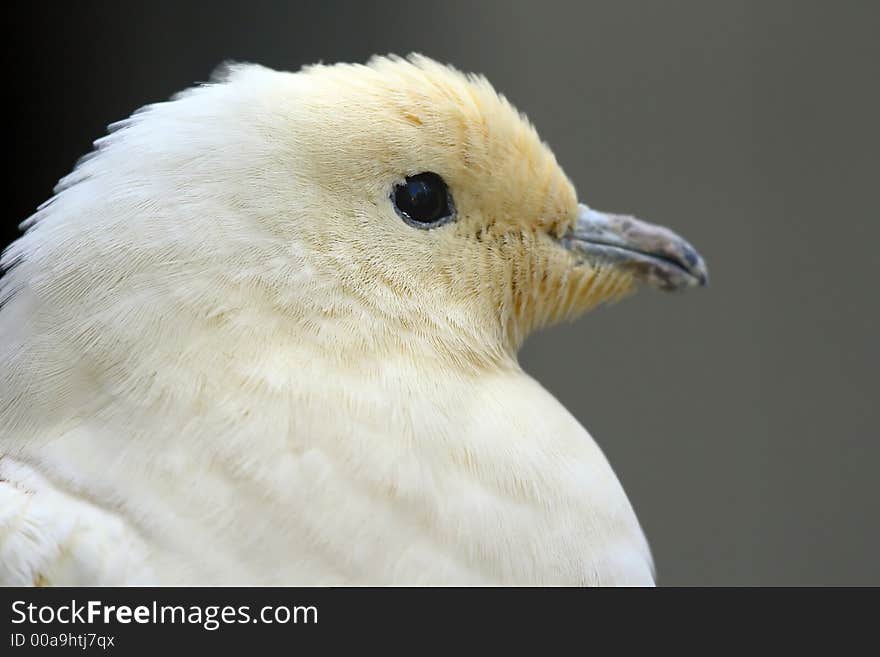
742,419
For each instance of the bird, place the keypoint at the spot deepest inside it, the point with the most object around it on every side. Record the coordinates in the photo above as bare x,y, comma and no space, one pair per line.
267,332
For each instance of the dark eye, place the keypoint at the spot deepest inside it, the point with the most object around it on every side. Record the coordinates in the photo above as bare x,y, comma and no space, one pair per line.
423,200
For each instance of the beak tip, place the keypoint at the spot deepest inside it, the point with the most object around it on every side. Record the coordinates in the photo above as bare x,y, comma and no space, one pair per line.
694,263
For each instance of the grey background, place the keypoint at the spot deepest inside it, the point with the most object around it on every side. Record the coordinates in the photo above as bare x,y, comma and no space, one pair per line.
741,419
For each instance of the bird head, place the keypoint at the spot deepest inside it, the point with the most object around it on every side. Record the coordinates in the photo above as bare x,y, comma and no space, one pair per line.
394,203
434,192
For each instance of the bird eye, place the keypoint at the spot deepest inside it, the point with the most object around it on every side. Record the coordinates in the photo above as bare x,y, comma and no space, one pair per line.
423,201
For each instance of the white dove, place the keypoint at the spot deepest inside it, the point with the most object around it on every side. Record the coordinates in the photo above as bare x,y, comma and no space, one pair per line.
267,333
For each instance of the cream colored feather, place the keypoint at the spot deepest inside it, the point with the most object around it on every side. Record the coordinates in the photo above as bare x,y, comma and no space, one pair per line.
226,360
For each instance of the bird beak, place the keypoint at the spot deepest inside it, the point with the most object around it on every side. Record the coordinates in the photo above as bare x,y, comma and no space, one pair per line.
652,253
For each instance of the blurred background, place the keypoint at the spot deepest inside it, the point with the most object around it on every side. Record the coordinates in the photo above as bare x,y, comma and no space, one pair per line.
742,419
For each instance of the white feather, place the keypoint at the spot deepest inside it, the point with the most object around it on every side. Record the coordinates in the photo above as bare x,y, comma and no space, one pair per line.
226,360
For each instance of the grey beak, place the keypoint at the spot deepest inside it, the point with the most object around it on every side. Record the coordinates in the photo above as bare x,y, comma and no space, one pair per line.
652,253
